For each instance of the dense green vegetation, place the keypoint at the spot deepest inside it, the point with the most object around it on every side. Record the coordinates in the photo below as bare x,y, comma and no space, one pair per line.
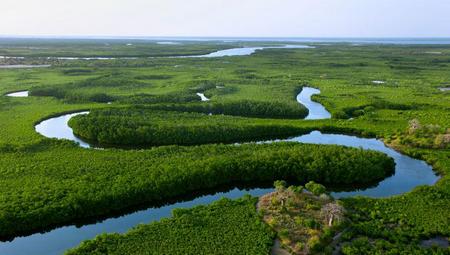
141,126
304,223
397,225
46,182
89,183
223,227
82,91
41,48
248,108
92,90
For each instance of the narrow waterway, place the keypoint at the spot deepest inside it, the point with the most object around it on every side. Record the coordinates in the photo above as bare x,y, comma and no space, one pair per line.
316,110
242,51
202,97
18,94
409,173
58,127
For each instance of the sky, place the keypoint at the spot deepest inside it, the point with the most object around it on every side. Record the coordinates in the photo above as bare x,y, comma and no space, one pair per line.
226,18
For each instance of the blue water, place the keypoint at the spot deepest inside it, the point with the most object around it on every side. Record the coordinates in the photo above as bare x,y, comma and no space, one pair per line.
245,51
316,111
241,51
58,128
59,240
409,173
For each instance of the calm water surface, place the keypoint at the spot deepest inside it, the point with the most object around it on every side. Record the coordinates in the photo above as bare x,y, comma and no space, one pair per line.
58,128
202,97
59,240
245,51
409,173
316,110
18,94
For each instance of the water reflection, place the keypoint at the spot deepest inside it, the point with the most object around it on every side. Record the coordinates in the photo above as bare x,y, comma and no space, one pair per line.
316,110
58,128
18,94
409,173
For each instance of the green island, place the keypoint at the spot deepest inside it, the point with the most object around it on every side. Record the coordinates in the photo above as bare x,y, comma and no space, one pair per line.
153,141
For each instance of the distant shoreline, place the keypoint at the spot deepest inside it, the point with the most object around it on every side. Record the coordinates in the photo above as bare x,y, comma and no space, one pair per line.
363,40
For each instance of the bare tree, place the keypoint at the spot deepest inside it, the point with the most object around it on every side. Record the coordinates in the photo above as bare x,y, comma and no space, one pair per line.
332,212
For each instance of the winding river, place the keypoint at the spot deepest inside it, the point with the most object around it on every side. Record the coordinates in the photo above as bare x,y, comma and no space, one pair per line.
242,51
316,110
58,127
409,173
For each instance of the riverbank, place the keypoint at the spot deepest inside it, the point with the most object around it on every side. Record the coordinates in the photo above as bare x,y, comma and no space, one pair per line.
54,170
341,139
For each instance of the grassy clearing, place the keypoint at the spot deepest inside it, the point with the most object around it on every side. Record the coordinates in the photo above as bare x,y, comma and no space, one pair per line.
305,222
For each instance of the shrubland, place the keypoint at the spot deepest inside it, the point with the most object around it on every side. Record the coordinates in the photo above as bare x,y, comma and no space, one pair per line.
247,108
142,126
223,227
40,192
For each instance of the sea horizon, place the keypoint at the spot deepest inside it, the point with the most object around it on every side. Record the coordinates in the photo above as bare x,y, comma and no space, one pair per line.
384,40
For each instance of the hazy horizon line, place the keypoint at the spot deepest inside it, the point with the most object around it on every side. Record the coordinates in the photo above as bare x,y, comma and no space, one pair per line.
219,37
